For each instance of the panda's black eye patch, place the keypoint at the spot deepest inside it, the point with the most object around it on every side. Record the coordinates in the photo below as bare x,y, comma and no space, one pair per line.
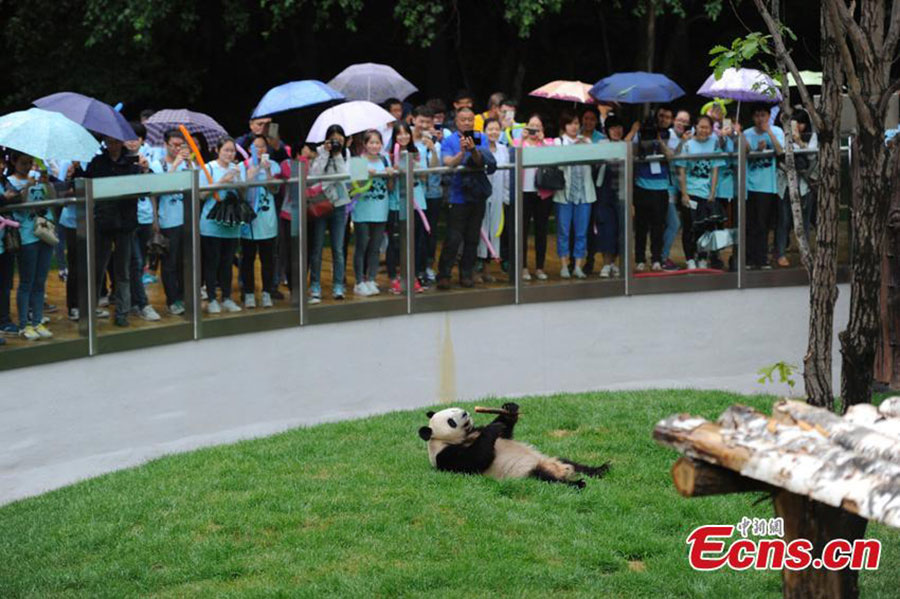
452,423
465,414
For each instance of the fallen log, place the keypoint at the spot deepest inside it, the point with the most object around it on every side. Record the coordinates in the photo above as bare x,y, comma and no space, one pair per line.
694,478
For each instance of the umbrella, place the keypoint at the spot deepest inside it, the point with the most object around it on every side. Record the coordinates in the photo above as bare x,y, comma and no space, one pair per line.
91,114
570,91
196,122
47,135
295,94
743,85
352,116
637,87
807,77
372,82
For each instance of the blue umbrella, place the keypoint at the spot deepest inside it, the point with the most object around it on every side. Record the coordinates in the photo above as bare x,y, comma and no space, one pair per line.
295,94
47,135
636,88
91,114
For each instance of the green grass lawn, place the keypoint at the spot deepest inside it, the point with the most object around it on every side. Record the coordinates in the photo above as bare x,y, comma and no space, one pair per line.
353,509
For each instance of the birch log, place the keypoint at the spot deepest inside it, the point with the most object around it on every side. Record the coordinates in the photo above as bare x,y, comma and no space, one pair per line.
796,456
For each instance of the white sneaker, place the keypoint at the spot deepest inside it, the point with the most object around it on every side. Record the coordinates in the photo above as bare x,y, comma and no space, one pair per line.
361,289
43,331
249,300
266,301
213,307
578,273
203,295
606,271
541,275
148,313
641,267
103,301
691,265
564,272
526,276
74,314
230,306
702,264
373,288
29,333
615,270
101,313
656,267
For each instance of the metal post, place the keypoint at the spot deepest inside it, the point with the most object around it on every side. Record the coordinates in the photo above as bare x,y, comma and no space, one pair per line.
408,258
518,223
300,285
195,301
741,198
90,263
627,220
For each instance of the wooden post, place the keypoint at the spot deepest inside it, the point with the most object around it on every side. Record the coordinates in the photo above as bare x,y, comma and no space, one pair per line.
819,523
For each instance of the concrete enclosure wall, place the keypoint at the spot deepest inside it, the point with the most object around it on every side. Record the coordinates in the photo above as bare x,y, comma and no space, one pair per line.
63,422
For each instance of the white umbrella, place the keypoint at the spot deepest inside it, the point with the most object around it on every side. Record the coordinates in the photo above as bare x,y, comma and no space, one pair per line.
354,117
47,135
372,82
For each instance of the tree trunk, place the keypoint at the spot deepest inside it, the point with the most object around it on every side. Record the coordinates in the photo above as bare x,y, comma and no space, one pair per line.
819,523
869,212
823,290
887,361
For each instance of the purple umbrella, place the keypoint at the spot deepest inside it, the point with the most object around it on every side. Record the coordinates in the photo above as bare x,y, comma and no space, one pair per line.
743,85
91,114
196,122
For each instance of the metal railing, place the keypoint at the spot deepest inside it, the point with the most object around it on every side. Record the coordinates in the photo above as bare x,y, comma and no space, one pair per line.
88,194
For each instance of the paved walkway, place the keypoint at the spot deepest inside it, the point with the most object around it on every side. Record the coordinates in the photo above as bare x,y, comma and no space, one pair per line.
65,422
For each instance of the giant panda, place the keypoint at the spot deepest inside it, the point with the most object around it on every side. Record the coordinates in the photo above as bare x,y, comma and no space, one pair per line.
455,444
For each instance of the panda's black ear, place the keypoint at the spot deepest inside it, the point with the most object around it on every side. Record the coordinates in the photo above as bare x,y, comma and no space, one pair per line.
429,413
425,433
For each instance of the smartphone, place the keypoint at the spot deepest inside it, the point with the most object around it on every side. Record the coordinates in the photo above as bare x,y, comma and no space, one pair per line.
272,130
795,128
726,123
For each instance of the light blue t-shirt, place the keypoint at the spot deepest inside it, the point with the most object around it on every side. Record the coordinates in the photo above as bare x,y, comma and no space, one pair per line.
36,193
209,227
67,215
725,188
372,206
699,172
169,207
761,172
265,225
433,184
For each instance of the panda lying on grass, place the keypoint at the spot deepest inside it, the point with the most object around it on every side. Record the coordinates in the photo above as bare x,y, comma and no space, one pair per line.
455,444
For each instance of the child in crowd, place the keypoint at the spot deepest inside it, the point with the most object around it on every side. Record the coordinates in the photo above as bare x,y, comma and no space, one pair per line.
259,236
370,217
493,224
403,142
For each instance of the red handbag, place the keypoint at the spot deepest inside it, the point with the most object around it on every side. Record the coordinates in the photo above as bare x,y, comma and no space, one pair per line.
318,205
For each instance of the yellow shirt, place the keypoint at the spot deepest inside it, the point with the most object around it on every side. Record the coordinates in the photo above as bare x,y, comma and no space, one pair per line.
479,121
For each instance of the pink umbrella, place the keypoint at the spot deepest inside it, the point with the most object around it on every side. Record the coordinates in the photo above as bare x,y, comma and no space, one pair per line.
569,91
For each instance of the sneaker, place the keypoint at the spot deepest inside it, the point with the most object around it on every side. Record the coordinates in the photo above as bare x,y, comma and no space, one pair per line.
669,265
526,276
10,329
656,267
312,300
249,301
149,313
702,264
103,301
213,307
73,314
766,266
43,331
430,275
691,265
578,273
230,306
641,267
396,287
338,292
50,308
361,289
177,308
101,313
564,272
540,274
615,270
203,295
417,287
63,274
266,301
606,271
315,290
29,333
373,288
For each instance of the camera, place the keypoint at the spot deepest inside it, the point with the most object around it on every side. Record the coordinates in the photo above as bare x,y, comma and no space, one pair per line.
334,145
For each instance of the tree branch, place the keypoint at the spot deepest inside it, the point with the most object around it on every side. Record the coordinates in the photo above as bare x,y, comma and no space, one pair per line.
892,89
854,89
781,50
862,44
893,34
